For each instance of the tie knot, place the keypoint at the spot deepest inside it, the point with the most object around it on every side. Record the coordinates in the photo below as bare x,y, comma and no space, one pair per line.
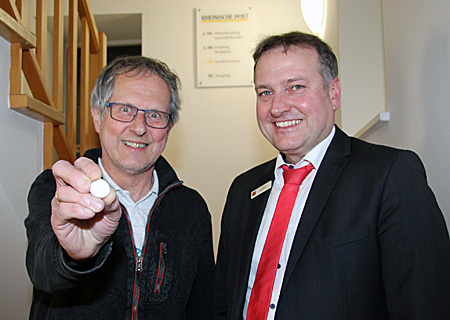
296,176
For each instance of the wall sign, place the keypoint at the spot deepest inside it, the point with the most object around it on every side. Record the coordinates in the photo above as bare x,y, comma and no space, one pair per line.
225,38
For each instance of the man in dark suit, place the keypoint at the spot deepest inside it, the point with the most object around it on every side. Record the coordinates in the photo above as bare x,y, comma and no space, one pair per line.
366,238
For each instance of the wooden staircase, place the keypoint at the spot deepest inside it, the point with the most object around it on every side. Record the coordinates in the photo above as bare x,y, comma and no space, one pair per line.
29,59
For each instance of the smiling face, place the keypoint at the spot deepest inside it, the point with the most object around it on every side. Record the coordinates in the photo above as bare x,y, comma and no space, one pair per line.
295,111
130,148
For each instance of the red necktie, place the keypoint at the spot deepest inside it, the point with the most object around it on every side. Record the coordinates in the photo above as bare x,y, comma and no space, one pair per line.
258,307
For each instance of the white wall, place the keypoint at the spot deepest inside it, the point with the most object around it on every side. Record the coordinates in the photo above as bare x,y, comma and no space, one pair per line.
361,63
417,51
20,162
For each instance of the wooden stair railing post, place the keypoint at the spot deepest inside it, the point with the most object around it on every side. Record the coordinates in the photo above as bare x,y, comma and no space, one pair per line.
98,61
41,57
41,36
71,122
15,83
84,87
58,54
58,74
48,141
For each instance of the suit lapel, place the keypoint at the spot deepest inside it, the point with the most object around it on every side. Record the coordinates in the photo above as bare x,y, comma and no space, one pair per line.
255,213
335,159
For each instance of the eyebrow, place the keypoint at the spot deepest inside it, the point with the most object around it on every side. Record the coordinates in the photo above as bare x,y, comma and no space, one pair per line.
295,79
261,86
289,81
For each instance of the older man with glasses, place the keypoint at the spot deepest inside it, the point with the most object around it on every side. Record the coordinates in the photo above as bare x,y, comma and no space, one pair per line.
145,250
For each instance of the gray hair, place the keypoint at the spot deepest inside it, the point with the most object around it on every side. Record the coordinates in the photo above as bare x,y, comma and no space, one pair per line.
327,67
104,86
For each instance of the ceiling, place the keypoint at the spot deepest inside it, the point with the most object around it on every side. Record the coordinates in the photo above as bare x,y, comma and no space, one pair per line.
120,28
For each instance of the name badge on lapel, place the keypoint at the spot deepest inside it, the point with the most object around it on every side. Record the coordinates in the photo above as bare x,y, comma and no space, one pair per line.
266,186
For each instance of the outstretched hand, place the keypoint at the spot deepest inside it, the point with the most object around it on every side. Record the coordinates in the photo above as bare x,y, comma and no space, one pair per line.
81,222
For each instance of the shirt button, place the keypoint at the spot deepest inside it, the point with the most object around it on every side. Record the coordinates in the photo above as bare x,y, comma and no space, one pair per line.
272,306
279,266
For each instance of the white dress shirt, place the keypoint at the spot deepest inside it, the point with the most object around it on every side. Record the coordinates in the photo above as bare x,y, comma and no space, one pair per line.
137,211
314,157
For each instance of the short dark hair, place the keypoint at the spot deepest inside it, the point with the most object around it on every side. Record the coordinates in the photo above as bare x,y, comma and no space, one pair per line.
328,66
104,86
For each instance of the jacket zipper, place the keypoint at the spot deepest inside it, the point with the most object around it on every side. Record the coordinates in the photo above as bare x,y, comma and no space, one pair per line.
137,285
139,259
138,268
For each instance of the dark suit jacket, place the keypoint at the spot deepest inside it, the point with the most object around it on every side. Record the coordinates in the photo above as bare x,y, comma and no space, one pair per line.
372,242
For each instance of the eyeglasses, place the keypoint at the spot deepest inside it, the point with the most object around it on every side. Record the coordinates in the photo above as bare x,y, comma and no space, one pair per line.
126,113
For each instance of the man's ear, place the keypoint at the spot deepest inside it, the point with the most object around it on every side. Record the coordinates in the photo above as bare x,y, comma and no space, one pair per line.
171,125
97,117
335,93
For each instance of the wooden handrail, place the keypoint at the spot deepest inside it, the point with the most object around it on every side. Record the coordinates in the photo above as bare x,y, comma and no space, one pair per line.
43,106
36,109
10,7
35,77
85,11
13,31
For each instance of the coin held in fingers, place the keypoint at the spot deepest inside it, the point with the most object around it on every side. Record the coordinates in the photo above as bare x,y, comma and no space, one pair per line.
100,188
